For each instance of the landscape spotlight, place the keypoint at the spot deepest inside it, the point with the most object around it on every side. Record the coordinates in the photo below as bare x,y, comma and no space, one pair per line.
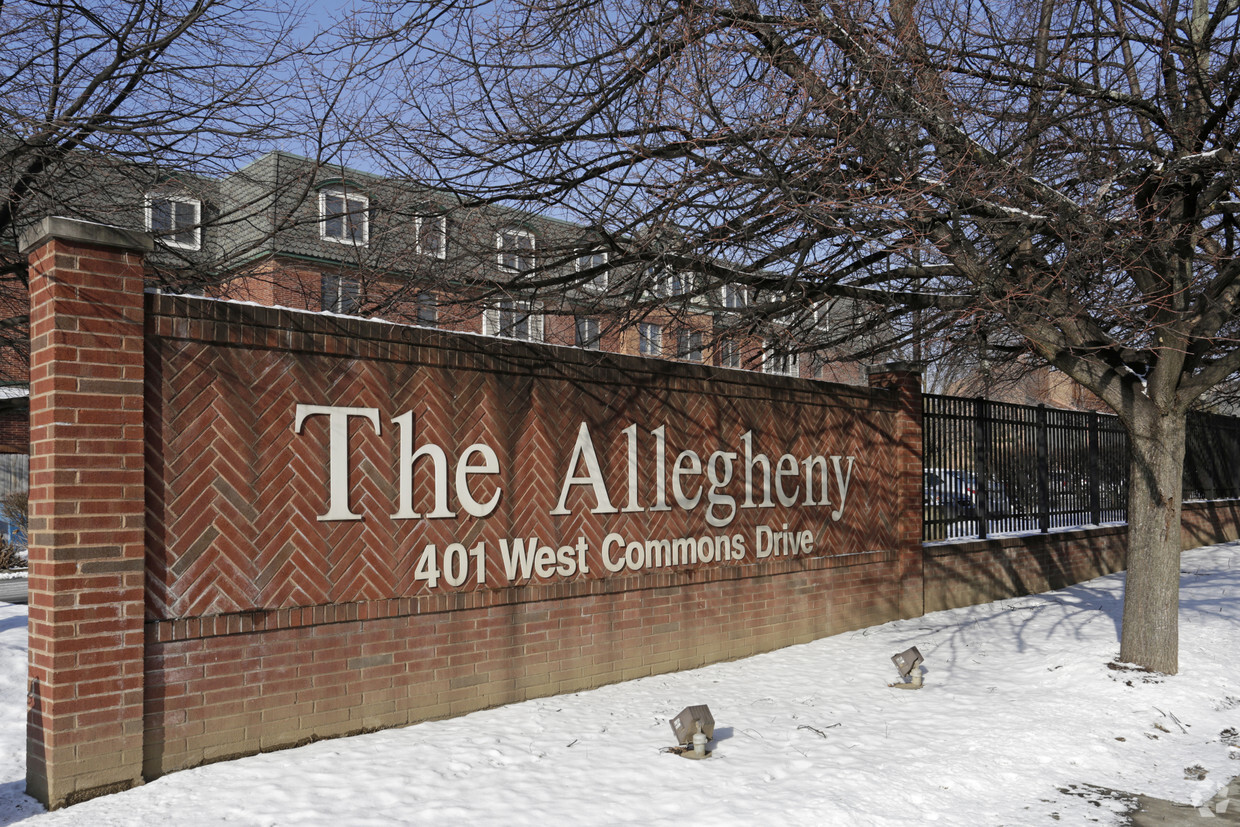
908,662
694,726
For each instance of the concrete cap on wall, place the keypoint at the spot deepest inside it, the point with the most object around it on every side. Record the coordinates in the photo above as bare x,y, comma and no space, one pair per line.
85,232
893,367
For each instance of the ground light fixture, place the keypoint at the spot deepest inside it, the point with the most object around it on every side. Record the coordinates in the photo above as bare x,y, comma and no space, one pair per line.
693,727
908,663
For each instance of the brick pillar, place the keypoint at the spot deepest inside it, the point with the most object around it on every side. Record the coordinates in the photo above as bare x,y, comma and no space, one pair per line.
905,380
87,510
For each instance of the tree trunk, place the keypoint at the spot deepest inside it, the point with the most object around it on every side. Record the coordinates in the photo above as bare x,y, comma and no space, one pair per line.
1150,632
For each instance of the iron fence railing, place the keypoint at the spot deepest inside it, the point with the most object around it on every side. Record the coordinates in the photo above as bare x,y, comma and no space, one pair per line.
995,467
1212,457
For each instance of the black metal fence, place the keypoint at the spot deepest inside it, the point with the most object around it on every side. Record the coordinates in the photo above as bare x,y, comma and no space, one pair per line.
1212,457
994,467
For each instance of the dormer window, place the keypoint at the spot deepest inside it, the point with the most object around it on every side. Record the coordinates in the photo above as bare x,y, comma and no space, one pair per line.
433,236
343,217
175,220
822,315
666,282
516,250
734,296
591,262
677,284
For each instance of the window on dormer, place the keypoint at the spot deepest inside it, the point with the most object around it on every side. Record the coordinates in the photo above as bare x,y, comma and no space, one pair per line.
175,221
432,236
515,250
677,284
734,296
343,216
594,261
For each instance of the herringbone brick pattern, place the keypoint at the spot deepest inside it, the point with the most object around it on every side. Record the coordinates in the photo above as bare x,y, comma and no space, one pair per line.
249,691
234,493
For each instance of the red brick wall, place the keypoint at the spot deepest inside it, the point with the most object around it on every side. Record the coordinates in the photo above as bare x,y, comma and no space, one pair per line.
267,626
978,571
15,428
1204,523
84,723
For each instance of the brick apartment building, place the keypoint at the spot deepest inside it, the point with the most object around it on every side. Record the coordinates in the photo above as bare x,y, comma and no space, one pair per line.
286,231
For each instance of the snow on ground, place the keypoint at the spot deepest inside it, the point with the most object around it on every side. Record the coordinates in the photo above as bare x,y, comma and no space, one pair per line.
1019,722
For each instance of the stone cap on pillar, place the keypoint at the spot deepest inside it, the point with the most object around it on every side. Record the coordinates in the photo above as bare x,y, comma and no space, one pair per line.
893,367
84,232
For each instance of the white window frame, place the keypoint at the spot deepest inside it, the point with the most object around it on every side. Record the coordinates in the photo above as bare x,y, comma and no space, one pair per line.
730,293
421,223
729,354
684,281
339,294
503,251
598,284
661,282
650,339
348,216
594,339
822,315
493,320
687,345
194,227
779,364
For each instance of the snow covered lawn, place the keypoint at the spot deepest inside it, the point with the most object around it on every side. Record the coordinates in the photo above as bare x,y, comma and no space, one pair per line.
1020,719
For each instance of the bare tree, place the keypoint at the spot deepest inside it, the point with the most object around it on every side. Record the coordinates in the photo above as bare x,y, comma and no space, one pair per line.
1059,172
103,103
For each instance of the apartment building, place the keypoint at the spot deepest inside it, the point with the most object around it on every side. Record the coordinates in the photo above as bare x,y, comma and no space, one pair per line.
291,232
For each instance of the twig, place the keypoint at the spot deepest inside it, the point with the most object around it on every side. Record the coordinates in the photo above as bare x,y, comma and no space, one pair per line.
821,734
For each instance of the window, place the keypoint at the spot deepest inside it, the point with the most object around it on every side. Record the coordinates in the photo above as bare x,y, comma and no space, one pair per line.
428,310
677,284
689,345
339,293
729,354
818,366
650,339
776,361
516,250
175,220
343,217
734,296
822,315
663,281
512,319
587,333
432,236
591,261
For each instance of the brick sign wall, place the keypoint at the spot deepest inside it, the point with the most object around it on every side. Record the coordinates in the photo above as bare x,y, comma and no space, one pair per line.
352,525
